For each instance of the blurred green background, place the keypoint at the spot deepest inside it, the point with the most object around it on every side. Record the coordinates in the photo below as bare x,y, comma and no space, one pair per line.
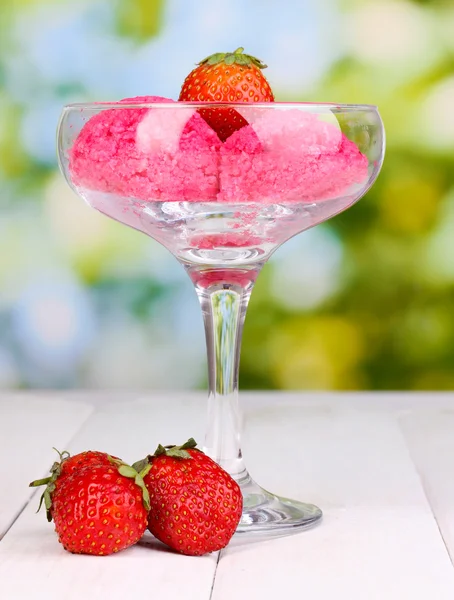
365,301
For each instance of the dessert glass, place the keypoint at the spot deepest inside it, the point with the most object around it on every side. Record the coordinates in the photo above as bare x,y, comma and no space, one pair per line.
222,209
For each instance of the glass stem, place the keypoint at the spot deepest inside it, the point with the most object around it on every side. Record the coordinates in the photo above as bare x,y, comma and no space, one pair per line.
224,308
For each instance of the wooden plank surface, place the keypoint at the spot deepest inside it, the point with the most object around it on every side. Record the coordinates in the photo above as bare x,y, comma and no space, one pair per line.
30,425
430,438
354,456
129,430
379,539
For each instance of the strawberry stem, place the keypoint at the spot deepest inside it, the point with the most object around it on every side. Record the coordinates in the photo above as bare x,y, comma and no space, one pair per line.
62,455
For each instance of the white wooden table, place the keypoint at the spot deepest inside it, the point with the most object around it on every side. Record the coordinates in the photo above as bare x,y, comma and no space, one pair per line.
380,466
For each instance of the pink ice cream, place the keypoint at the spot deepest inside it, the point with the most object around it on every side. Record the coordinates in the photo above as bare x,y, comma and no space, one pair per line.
287,156
147,154
155,155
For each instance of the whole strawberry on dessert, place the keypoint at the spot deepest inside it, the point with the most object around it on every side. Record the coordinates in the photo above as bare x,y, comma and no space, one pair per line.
226,77
100,508
195,506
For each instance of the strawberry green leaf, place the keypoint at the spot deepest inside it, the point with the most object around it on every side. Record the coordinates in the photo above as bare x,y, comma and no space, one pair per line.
160,450
191,443
140,465
39,482
178,453
145,495
48,503
145,470
240,59
41,500
258,63
49,482
127,471
214,58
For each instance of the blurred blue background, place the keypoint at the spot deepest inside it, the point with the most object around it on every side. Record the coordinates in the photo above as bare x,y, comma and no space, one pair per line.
365,301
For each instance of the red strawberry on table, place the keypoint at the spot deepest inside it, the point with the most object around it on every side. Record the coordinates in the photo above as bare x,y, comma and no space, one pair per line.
195,506
100,508
68,465
226,77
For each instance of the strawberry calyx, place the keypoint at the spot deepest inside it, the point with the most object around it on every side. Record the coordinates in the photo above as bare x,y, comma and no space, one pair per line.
177,451
236,57
132,473
180,452
49,482
56,470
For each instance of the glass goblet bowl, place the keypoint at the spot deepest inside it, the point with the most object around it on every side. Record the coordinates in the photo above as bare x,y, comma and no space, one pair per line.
222,209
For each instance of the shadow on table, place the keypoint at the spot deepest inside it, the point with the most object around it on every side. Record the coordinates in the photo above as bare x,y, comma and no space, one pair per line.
151,543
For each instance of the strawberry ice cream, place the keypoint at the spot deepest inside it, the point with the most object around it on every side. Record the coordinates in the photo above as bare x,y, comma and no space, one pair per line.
289,156
147,154
173,155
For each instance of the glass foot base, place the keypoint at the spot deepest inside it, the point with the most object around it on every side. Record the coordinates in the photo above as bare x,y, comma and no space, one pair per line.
267,514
